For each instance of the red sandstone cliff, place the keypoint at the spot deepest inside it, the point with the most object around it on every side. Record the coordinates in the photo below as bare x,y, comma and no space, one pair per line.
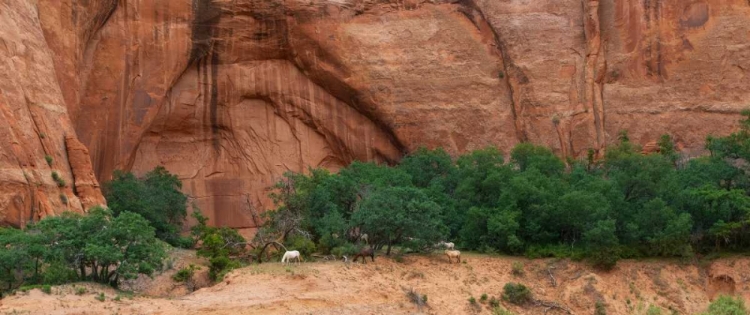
230,94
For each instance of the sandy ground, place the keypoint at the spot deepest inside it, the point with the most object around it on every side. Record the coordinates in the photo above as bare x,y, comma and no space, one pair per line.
378,288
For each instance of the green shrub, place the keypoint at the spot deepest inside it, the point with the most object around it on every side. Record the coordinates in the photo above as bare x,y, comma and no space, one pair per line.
219,266
64,198
472,300
59,180
184,242
653,310
347,249
726,305
501,311
81,291
185,274
516,293
494,303
483,298
48,159
100,297
58,273
42,287
517,268
600,308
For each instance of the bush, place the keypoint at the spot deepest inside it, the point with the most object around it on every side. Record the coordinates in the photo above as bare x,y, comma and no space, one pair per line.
347,249
472,300
48,159
184,242
81,291
600,308
494,303
44,288
516,293
100,297
501,311
726,305
483,298
185,274
58,273
56,177
653,310
517,268
219,266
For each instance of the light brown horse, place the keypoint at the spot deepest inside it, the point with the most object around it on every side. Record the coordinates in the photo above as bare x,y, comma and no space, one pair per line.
453,254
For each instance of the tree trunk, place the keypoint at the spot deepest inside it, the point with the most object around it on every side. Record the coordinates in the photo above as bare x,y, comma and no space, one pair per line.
388,253
83,270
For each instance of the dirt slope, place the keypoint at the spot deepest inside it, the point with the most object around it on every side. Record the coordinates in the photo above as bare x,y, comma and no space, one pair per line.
378,288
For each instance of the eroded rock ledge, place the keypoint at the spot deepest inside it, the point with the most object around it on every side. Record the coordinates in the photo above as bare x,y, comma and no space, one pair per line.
231,94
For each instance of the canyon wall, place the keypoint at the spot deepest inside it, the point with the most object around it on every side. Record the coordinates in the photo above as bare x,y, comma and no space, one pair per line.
229,95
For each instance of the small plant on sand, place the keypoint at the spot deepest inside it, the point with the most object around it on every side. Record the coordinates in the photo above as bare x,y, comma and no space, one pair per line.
81,291
46,289
117,298
472,300
494,302
48,159
100,297
418,300
186,276
653,310
600,308
517,269
516,293
501,311
483,298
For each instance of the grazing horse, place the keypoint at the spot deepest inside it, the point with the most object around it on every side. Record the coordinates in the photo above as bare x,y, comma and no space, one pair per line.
291,254
368,251
453,254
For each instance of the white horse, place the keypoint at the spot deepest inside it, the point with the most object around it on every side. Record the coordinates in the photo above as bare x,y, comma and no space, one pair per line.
291,254
447,245
365,238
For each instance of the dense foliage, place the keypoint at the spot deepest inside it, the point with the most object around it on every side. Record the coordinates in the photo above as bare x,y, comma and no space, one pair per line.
95,247
625,204
156,197
219,244
726,305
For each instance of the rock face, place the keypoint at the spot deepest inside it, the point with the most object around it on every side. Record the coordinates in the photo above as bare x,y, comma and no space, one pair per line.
38,175
231,94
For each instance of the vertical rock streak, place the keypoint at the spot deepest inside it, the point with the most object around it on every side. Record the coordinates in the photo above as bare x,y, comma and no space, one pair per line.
594,70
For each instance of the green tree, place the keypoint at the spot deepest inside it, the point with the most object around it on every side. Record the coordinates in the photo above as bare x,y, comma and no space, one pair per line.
393,214
156,197
14,257
602,244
